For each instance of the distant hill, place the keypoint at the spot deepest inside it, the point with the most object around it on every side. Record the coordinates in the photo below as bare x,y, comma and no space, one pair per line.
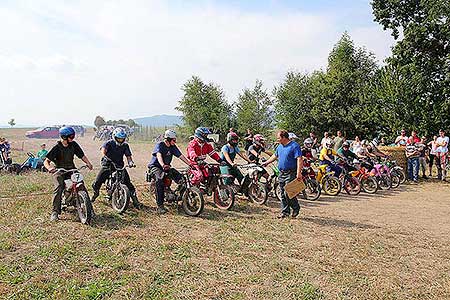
160,121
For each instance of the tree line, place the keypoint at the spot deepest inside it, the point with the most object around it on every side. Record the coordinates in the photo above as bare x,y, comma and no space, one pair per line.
354,93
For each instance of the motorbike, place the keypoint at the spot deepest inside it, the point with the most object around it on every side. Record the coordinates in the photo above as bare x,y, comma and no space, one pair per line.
368,182
349,178
75,195
118,192
312,189
190,196
329,183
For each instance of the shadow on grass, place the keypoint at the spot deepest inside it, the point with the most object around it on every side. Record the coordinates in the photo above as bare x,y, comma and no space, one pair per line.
323,221
114,221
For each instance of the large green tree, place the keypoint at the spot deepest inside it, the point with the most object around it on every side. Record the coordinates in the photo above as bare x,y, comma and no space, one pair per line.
420,62
204,105
254,110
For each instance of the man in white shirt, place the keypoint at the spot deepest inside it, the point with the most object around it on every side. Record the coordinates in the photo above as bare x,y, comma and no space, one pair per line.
326,139
441,154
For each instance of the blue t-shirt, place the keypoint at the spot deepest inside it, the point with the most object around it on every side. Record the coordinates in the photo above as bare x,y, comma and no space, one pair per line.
166,152
232,151
287,156
116,152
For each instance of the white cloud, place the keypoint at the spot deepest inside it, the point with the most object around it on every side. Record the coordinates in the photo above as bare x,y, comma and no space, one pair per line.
130,58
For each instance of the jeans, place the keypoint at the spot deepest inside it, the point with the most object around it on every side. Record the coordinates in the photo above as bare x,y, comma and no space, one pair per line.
286,203
413,168
104,174
159,175
423,165
233,171
333,167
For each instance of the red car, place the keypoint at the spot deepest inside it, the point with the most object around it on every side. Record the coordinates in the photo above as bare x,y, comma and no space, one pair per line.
49,132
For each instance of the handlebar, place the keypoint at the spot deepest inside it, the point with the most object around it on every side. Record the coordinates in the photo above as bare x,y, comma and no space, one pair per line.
70,170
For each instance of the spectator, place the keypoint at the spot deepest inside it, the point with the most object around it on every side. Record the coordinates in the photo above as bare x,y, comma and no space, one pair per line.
383,142
432,145
248,139
402,139
313,137
414,136
290,164
356,144
326,139
412,154
422,147
441,154
229,132
338,140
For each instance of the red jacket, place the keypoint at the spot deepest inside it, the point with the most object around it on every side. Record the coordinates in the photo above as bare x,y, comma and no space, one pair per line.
195,151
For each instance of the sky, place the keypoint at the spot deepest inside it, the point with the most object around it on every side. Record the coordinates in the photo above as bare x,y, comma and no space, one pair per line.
66,61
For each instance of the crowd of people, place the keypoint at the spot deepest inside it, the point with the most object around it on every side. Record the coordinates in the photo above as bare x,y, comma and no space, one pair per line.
420,154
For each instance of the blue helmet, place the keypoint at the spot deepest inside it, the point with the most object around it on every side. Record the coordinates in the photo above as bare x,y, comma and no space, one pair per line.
202,133
119,133
65,132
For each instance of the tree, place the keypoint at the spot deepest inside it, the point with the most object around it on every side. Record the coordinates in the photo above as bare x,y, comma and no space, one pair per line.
204,105
12,122
421,58
99,121
254,110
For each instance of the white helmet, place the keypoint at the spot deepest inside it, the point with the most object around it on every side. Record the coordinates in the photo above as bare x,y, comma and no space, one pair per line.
328,144
292,136
308,142
170,134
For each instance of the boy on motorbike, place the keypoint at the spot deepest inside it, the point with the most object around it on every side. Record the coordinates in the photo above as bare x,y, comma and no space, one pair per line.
228,154
197,151
62,155
113,152
326,157
159,166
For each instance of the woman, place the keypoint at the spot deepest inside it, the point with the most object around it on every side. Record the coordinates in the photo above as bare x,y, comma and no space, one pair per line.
356,144
432,145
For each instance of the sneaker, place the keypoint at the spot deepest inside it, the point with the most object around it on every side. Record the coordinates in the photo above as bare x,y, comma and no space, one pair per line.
54,217
295,213
282,216
162,210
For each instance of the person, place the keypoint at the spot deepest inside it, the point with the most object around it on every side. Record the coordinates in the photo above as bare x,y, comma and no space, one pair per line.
248,139
402,139
432,145
308,152
293,136
372,148
345,151
441,154
38,161
365,155
5,149
326,157
113,152
356,145
257,148
230,131
62,155
338,140
160,165
228,154
422,147
197,151
326,139
313,137
290,164
415,137
412,154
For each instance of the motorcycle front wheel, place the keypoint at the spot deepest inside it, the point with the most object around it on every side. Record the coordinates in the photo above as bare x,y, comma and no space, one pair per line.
257,192
120,198
369,185
312,190
352,186
84,207
332,185
193,202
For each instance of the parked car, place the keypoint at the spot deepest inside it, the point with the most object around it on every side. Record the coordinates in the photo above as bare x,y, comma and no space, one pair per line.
49,132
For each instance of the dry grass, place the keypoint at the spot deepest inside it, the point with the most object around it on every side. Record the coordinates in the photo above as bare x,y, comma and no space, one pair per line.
393,245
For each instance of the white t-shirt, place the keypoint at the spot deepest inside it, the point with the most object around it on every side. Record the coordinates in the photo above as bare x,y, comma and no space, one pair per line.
442,149
324,141
401,140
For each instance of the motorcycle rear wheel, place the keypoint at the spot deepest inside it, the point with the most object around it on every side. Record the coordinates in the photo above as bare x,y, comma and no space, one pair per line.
312,191
352,186
257,192
224,197
369,185
331,185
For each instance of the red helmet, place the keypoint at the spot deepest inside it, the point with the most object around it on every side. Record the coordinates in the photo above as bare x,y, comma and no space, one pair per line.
258,139
232,136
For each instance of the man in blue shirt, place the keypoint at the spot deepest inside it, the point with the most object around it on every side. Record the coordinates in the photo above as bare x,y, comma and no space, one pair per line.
160,166
113,152
290,163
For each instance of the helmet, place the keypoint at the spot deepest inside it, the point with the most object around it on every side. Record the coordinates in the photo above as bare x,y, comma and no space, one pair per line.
119,133
292,136
232,136
345,144
308,142
170,134
202,133
65,132
328,144
375,142
258,139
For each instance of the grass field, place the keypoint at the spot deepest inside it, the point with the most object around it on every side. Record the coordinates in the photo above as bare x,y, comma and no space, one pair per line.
393,245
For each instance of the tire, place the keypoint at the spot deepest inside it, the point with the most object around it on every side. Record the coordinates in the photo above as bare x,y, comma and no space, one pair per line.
84,207
369,185
257,192
395,180
277,190
331,185
120,198
193,202
400,173
224,197
352,186
312,191
384,182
